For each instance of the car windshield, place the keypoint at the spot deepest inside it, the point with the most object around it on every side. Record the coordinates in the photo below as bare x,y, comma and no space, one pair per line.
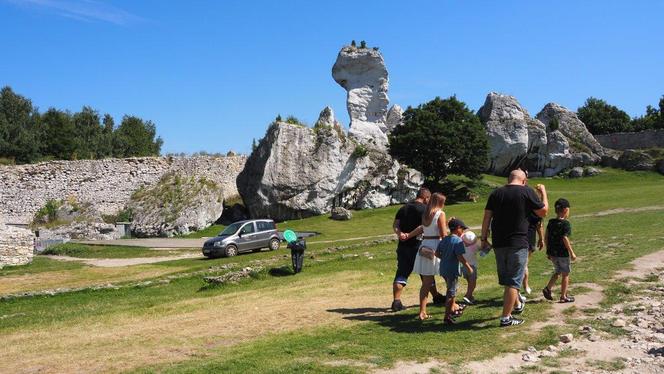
231,229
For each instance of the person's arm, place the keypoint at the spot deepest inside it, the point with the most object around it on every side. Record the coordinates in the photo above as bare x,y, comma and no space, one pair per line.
486,222
545,200
418,231
397,229
442,225
540,235
568,246
465,263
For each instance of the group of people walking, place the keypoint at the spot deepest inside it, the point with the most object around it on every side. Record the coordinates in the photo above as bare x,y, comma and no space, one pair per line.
430,245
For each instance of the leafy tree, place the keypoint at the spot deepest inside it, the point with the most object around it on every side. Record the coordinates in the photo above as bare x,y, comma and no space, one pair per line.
363,44
59,135
254,145
89,133
105,145
19,127
135,137
353,44
602,118
653,119
439,138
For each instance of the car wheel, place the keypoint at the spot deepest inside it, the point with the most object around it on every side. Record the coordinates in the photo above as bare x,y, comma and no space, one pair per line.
274,244
231,250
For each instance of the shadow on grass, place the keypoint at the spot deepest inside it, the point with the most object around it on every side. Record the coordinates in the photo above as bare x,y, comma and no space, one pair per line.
282,271
407,323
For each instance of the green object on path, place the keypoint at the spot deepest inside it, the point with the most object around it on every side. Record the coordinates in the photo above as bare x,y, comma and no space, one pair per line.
290,236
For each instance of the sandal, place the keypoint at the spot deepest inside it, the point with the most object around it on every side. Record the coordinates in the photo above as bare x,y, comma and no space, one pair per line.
426,316
567,299
457,313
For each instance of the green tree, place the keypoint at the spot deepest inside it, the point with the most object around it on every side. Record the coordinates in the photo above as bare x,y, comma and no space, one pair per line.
653,119
105,145
439,138
135,137
602,118
59,135
88,133
19,128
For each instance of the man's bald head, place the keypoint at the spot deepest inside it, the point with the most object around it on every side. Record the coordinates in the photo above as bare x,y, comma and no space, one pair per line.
516,177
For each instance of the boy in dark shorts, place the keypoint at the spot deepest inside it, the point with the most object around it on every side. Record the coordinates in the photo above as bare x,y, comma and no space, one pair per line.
559,251
450,251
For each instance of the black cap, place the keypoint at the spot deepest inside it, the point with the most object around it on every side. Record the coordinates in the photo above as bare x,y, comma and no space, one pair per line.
561,204
455,222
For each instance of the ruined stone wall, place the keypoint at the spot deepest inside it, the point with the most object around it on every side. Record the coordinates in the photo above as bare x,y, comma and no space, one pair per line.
632,140
107,184
16,246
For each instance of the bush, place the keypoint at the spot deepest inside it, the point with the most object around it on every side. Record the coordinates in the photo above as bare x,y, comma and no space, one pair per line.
48,213
360,151
441,137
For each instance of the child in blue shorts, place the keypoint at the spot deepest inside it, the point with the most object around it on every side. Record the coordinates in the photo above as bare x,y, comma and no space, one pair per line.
451,250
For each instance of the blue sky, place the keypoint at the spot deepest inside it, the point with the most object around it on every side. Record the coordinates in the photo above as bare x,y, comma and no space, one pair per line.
213,74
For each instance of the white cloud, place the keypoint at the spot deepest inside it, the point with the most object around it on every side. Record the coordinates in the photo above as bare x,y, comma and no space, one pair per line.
83,10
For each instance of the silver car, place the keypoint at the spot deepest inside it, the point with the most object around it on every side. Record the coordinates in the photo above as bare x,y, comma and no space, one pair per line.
243,236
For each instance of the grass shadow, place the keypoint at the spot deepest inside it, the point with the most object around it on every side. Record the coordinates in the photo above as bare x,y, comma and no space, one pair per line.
281,271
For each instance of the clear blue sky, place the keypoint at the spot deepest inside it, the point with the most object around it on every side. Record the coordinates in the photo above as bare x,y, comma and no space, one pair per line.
213,74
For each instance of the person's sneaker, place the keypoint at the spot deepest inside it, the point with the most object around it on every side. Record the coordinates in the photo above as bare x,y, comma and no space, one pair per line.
547,293
468,300
439,299
511,321
519,309
397,306
522,299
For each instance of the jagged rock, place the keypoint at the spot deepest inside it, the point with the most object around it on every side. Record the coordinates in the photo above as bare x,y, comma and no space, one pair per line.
16,245
633,160
341,214
326,118
576,172
82,230
591,171
394,118
177,205
298,172
517,140
580,139
362,73
566,338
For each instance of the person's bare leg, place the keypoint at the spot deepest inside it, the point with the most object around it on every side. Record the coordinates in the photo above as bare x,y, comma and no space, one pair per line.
524,284
552,281
510,297
427,280
564,283
449,307
397,288
472,283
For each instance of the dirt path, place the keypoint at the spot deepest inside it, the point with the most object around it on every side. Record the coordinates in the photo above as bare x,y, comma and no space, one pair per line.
119,262
182,329
150,242
600,350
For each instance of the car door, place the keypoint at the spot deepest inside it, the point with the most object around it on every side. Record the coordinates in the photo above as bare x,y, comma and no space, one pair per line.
247,237
263,235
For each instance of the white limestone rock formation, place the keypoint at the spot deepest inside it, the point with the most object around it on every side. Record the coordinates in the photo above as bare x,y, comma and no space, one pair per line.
362,73
177,205
515,139
556,140
72,219
393,119
298,172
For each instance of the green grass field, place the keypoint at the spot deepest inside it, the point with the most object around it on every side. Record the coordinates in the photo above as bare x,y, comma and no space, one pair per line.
331,317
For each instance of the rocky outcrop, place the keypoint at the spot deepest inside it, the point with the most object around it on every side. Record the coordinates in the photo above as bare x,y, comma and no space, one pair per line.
554,141
70,219
362,73
298,172
515,139
177,205
16,245
633,160
393,119
107,184
341,214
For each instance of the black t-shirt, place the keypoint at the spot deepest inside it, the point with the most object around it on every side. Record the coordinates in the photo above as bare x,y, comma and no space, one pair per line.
511,205
556,230
533,221
410,217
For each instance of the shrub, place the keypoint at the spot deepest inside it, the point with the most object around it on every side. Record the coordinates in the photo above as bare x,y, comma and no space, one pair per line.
360,151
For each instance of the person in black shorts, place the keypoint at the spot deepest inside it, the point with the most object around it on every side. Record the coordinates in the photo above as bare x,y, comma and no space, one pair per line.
507,212
407,219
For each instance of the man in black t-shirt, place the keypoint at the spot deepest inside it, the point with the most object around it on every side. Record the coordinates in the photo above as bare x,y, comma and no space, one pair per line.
507,213
407,219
